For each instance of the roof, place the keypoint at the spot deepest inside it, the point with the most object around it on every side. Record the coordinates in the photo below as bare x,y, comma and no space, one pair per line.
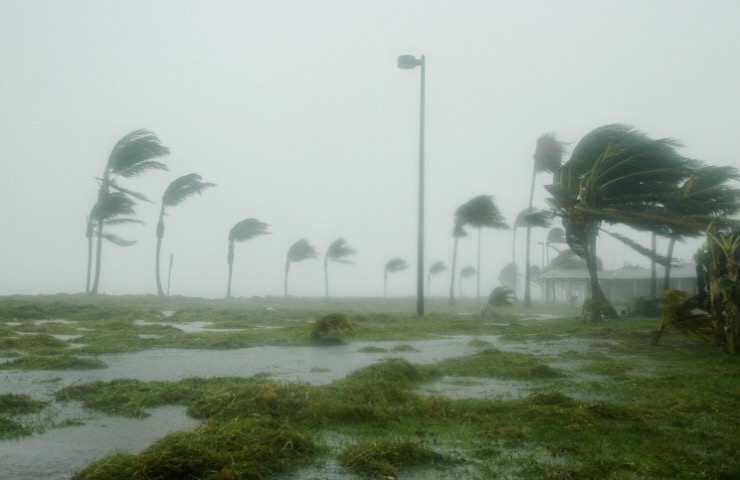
686,270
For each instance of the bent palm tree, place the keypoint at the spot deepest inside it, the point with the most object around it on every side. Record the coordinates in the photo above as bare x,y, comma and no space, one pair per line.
133,155
466,272
458,232
298,252
177,192
392,266
115,209
548,156
437,267
241,232
529,217
338,250
617,174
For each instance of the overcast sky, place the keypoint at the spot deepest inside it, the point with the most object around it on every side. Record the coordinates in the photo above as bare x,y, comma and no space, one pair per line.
297,110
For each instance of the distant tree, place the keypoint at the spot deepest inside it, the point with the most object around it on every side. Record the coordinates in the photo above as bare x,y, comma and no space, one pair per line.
548,156
298,252
437,267
241,232
508,276
133,155
392,266
115,208
466,272
338,251
458,232
529,217
176,192
478,212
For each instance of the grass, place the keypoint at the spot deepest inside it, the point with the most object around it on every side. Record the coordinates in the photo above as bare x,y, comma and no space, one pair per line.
620,409
11,407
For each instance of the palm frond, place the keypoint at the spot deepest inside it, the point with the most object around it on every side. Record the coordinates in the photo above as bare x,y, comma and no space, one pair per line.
247,229
124,221
555,235
116,240
113,205
183,187
501,297
437,267
133,154
301,250
533,217
131,193
338,250
396,265
659,259
568,260
480,211
548,155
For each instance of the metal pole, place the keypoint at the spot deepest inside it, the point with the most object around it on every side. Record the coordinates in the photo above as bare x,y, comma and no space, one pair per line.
420,273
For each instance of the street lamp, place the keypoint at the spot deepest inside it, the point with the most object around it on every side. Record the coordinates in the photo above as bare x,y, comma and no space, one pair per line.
409,62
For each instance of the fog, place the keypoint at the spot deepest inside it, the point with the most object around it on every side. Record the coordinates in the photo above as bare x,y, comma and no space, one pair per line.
299,114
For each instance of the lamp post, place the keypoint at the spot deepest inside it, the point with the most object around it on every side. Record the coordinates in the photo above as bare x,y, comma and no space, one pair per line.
409,62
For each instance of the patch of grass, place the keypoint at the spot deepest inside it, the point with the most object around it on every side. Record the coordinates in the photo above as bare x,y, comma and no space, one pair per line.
332,329
384,458
14,404
53,362
10,428
372,349
494,363
403,348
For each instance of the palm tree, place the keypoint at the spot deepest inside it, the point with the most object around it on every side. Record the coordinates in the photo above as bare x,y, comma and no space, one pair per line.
392,266
241,232
548,156
132,155
115,209
529,217
479,212
298,252
434,269
176,192
338,250
508,276
617,174
466,272
458,232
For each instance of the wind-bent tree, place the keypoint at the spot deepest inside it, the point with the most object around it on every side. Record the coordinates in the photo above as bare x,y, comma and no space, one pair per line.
556,236
298,252
434,269
548,156
338,251
466,272
392,266
458,232
618,175
529,217
133,155
115,209
507,276
176,192
241,232
478,212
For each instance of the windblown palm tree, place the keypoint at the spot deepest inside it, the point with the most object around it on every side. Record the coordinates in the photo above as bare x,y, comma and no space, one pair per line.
298,252
478,212
529,217
392,266
548,156
458,232
133,155
617,174
115,209
466,272
241,232
338,251
177,192
434,269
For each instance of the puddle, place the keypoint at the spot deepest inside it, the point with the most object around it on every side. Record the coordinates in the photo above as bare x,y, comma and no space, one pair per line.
66,338
190,327
59,320
458,388
60,452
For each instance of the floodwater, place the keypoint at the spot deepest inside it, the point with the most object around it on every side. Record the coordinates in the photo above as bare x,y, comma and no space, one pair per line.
59,452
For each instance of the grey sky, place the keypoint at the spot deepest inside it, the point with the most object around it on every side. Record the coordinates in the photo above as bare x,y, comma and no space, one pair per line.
298,112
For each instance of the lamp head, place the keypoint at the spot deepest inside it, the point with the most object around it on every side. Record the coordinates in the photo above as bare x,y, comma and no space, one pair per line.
408,61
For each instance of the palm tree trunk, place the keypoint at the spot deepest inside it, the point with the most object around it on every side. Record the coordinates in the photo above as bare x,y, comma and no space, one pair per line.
513,261
477,289
160,234
653,268
669,258
385,283
230,261
287,267
601,306
89,234
326,275
102,193
527,292
452,273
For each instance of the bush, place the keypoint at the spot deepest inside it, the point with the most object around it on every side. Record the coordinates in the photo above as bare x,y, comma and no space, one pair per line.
330,328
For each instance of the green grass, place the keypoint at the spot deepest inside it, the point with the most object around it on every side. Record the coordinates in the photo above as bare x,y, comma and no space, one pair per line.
618,409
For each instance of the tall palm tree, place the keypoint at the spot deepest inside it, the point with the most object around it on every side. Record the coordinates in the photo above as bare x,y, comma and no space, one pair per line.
434,269
176,192
618,175
392,266
548,156
298,252
338,251
115,209
241,232
529,217
466,272
479,212
458,232
131,156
